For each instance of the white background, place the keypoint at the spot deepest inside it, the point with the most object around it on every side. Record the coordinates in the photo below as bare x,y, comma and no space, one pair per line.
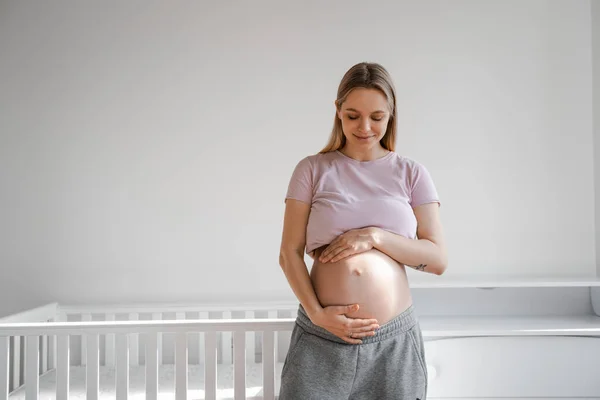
146,146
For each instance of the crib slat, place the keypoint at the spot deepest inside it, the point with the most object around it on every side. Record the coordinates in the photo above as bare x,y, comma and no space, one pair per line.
181,370
32,365
179,377
122,381
201,336
250,337
109,345
226,342
44,354
62,367
92,371
85,317
273,314
61,316
152,366
4,363
268,361
210,366
134,347
16,362
239,365
157,317
52,351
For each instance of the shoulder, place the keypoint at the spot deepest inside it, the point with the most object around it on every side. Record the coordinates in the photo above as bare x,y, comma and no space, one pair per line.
406,163
313,161
410,168
322,157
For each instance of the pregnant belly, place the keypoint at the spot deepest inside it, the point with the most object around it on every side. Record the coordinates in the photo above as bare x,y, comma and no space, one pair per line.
373,280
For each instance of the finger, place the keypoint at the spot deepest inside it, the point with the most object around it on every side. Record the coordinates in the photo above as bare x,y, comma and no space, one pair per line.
334,252
336,240
368,328
351,340
342,310
360,335
328,252
333,245
330,246
359,323
343,254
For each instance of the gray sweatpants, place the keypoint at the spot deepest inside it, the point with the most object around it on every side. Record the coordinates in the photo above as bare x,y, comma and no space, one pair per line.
387,366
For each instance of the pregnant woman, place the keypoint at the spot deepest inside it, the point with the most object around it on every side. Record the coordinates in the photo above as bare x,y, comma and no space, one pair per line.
363,213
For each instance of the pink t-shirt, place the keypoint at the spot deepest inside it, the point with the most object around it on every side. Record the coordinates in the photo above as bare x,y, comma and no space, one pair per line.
346,194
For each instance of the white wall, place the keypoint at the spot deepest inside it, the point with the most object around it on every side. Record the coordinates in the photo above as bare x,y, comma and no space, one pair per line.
595,17
146,146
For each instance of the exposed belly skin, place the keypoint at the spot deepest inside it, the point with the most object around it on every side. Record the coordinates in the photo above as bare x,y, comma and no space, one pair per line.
373,280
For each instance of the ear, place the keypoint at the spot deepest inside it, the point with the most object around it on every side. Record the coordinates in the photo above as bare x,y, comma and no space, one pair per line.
337,110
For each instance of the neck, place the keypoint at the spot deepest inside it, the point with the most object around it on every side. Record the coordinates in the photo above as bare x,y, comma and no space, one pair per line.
364,154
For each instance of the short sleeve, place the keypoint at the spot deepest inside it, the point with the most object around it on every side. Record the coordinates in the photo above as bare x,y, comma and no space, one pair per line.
423,189
300,186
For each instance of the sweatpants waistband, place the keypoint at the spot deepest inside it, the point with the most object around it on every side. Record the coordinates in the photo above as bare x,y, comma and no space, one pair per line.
399,324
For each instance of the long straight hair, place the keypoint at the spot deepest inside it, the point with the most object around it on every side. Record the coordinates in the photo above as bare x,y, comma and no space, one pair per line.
369,76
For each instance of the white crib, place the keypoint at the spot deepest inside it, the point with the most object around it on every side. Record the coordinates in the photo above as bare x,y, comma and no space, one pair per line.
188,351
480,344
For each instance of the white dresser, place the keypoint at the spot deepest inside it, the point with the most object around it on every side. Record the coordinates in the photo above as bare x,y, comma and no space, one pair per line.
516,338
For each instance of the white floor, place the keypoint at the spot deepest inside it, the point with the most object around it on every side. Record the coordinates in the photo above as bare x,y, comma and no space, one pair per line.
166,383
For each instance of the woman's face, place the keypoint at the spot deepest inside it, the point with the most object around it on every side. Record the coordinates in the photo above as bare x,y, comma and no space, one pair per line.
364,117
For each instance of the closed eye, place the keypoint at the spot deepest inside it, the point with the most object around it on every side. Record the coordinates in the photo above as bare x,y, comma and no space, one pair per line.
374,119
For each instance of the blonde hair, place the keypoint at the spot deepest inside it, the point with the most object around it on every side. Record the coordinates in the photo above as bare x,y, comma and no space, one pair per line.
369,76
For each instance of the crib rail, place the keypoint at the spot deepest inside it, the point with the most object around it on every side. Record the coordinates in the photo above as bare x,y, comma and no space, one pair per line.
45,313
178,311
91,330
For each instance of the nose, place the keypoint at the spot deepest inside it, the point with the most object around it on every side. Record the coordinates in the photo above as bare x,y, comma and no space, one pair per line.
364,125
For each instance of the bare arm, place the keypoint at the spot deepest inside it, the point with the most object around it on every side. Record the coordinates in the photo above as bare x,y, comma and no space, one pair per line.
291,255
428,253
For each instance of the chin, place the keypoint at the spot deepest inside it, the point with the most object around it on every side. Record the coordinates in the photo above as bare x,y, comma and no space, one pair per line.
369,142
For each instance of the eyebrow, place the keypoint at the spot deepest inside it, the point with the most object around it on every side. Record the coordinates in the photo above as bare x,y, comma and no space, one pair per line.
374,112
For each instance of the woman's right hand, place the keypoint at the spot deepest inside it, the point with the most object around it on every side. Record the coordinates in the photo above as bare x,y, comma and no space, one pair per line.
351,330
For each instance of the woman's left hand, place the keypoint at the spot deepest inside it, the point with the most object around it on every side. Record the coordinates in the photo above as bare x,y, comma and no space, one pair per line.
349,243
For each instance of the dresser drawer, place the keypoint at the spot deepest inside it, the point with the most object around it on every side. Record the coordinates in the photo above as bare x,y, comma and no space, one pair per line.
516,367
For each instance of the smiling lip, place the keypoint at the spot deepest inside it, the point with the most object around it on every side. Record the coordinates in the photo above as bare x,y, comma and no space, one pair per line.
364,137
